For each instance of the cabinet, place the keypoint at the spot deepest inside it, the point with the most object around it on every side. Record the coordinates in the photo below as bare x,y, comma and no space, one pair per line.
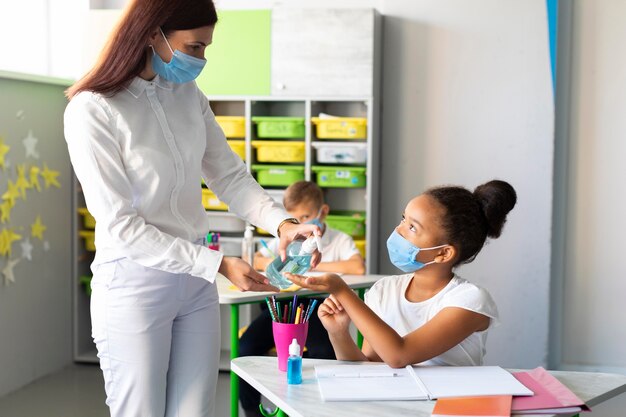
322,62
321,52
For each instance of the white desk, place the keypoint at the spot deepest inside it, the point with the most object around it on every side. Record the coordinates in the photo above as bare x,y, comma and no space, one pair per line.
235,298
304,400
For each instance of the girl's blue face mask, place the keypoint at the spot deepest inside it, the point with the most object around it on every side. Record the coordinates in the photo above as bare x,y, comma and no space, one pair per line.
182,68
402,253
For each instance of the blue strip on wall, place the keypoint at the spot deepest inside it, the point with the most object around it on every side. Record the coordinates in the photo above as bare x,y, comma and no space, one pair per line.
553,21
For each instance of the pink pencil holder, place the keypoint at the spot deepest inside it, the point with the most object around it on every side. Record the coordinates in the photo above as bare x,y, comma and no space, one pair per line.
284,333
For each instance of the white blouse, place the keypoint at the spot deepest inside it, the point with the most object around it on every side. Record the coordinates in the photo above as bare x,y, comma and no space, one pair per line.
139,156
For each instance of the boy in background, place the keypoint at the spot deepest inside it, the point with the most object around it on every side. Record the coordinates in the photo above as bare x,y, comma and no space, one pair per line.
303,200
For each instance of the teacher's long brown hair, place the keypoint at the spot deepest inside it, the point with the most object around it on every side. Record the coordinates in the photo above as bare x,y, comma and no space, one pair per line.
124,56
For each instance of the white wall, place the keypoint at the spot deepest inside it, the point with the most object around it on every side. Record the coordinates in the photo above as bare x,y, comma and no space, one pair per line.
42,37
467,97
594,332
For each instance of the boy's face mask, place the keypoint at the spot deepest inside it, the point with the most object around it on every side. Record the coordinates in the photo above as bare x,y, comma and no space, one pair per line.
182,68
316,221
402,253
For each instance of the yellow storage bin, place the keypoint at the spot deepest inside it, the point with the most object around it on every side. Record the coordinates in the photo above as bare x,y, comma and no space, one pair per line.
211,202
239,147
90,239
233,126
360,245
278,151
88,220
262,231
341,127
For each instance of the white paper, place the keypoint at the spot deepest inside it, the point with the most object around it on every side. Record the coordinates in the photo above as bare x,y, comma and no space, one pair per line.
369,383
365,382
469,381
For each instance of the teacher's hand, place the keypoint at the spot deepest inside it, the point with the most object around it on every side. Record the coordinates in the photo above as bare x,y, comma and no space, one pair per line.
290,232
243,276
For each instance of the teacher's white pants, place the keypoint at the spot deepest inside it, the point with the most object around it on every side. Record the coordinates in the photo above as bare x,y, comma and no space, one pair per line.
158,340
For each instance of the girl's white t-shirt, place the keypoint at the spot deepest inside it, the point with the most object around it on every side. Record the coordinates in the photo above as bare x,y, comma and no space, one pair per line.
387,299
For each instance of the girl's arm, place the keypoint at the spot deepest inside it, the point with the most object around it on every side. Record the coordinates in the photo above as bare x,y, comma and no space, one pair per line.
337,323
444,331
352,266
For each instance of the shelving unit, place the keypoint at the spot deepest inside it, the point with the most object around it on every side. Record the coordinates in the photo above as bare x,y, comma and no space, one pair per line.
340,199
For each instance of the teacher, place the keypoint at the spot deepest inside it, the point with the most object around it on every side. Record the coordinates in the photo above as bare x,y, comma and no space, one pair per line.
140,136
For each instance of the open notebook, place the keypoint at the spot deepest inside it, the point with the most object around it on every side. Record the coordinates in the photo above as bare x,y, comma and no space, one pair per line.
379,382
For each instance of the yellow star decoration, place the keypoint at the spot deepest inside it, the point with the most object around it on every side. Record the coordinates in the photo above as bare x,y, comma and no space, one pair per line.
34,178
3,151
11,194
37,228
5,212
50,177
22,183
7,237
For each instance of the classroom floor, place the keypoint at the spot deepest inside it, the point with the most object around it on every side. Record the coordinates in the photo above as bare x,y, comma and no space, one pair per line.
78,391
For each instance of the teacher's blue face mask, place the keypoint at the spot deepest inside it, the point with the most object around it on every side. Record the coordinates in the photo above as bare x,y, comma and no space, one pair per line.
182,68
402,253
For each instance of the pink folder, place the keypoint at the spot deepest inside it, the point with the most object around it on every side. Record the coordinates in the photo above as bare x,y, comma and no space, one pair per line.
551,396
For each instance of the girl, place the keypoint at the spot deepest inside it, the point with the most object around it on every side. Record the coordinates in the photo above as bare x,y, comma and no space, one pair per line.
430,315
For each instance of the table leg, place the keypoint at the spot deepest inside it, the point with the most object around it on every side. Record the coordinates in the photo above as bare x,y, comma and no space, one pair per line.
359,336
234,352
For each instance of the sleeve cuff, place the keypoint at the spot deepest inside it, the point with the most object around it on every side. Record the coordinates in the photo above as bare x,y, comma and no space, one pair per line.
207,264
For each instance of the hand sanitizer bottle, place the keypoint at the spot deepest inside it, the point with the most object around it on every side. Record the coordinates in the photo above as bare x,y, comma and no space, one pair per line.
247,245
298,261
294,364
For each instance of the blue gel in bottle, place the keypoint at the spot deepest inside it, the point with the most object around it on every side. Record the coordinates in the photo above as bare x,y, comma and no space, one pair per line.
294,364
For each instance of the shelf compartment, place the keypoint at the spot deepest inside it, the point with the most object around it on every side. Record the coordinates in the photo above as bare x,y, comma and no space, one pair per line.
233,126
340,127
279,151
340,176
279,127
349,222
239,147
89,221
225,222
277,195
90,239
278,175
340,153
361,246
211,202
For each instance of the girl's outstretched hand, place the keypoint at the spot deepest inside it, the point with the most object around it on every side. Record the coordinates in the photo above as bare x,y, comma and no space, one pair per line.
333,316
330,283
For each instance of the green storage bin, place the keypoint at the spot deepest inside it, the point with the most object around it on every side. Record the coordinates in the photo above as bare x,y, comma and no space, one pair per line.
340,177
278,175
349,222
86,281
279,127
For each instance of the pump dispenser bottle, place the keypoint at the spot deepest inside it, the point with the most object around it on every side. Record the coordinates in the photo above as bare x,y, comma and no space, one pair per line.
298,261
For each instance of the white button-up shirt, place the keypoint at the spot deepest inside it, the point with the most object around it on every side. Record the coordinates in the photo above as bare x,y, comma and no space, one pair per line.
139,156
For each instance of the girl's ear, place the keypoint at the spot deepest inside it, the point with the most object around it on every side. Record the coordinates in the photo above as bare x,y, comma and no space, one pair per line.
446,254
